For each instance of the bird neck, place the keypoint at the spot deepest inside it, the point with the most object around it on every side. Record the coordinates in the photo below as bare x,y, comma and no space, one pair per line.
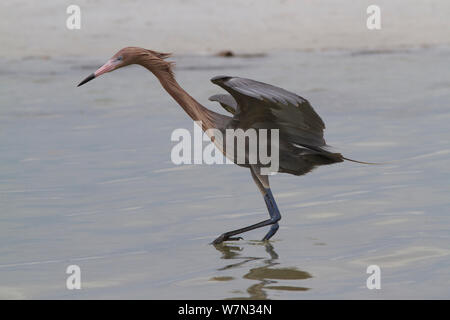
194,109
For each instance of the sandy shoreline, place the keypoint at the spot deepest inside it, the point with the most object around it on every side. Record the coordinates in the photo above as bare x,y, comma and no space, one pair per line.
198,27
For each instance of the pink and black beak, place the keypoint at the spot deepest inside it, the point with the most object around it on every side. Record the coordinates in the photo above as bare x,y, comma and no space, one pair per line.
107,67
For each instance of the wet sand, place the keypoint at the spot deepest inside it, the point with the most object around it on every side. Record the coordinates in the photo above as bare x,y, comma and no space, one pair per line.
207,27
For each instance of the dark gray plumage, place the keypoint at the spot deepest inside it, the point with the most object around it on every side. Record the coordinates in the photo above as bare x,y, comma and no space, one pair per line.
226,101
263,106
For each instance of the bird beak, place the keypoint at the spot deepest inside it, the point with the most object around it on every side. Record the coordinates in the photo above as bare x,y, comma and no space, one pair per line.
107,67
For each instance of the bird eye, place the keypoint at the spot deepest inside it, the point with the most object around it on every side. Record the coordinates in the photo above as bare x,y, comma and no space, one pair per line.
119,58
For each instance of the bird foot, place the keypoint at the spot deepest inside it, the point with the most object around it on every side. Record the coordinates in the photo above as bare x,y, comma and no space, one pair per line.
223,237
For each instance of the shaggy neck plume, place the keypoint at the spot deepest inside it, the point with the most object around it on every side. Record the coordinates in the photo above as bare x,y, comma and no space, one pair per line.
163,71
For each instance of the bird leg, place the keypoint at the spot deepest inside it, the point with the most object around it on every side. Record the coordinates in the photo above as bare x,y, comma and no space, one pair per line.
263,184
274,213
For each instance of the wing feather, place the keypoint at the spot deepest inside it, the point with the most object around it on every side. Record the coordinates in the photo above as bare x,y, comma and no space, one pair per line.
261,105
226,101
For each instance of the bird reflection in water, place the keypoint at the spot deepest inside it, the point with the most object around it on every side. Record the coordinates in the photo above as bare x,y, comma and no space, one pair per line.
266,276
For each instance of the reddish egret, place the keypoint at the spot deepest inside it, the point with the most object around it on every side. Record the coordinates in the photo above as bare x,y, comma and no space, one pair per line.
255,105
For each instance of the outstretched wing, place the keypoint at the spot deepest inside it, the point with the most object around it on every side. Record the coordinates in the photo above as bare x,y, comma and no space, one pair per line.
262,105
226,101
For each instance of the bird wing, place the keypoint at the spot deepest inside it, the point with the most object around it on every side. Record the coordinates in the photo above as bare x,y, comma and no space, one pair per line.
226,101
261,105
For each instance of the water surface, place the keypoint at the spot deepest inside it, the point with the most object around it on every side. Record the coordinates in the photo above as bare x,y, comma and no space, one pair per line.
86,179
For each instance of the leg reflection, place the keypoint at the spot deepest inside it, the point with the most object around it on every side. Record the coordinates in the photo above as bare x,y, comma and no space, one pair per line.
267,277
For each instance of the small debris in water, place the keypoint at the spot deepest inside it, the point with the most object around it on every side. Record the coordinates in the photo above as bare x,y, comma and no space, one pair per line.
225,53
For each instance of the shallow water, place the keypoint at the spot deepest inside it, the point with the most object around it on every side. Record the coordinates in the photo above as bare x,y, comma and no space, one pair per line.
86,179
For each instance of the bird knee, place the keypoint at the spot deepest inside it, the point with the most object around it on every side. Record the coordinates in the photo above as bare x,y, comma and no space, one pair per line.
275,219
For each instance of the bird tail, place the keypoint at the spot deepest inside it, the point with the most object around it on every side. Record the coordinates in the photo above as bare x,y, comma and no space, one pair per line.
363,162
337,157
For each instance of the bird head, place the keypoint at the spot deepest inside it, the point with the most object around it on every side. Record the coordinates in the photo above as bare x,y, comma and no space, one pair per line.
127,56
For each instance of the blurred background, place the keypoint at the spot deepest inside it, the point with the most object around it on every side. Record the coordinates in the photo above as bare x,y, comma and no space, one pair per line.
197,26
86,176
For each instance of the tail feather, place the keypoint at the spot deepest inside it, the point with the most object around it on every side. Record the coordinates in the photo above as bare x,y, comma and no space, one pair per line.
373,163
324,151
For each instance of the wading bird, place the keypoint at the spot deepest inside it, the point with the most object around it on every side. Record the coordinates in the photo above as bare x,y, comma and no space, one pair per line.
254,105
